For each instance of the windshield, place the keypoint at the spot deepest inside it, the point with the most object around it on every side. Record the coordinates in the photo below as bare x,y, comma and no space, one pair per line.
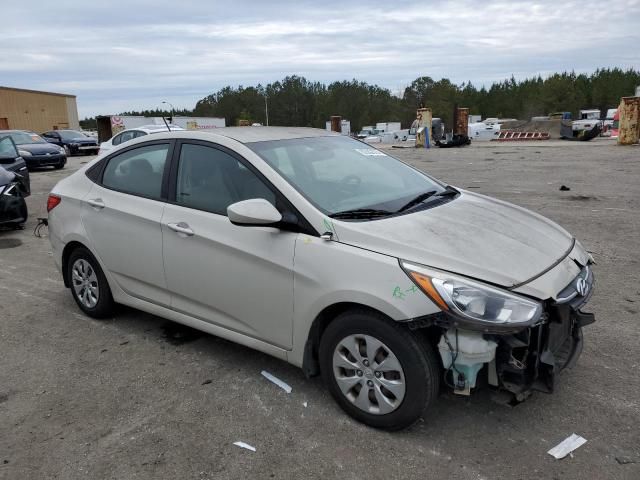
70,134
24,138
338,173
7,148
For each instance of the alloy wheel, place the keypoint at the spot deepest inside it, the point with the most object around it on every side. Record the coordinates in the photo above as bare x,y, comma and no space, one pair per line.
369,374
85,283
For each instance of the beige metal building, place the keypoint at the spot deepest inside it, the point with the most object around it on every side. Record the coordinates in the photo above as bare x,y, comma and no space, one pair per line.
37,111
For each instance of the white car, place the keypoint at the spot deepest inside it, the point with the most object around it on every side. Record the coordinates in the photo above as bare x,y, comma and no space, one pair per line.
329,254
132,133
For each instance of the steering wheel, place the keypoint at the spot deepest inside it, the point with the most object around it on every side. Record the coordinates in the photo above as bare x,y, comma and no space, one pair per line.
352,181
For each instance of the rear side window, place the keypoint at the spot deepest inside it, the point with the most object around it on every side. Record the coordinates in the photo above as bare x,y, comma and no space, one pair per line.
138,171
125,137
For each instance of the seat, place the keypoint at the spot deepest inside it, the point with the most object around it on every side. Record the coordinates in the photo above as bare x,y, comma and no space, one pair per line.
205,188
142,179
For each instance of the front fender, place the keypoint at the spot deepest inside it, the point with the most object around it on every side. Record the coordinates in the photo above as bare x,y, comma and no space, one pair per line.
329,272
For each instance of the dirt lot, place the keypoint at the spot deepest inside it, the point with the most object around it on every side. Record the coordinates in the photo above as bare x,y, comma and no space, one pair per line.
138,397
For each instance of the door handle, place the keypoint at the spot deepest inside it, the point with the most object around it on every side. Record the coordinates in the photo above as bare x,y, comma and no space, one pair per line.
181,228
96,203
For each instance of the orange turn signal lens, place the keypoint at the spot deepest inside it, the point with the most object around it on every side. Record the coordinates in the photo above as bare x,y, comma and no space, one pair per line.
427,287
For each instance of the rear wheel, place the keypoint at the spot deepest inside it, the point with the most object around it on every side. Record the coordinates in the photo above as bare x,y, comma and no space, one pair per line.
380,373
89,286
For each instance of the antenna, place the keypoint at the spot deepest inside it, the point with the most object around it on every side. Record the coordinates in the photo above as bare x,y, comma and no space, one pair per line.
170,118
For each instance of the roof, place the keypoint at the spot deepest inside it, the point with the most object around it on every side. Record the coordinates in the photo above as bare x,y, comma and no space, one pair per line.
263,134
241,134
37,91
155,128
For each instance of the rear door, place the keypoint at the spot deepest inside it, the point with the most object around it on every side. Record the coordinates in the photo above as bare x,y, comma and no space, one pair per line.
122,214
240,278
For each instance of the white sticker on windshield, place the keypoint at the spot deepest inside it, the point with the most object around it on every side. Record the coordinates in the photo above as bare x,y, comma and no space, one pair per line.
370,152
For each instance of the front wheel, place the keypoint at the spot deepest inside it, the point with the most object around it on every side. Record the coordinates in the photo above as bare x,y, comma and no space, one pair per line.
379,372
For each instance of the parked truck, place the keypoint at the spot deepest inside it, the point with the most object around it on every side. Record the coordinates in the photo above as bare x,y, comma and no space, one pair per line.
588,119
388,127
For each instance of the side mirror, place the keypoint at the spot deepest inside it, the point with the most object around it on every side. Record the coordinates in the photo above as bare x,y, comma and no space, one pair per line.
253,212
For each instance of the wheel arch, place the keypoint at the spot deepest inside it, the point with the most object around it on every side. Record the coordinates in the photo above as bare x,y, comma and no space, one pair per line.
310,363
66,253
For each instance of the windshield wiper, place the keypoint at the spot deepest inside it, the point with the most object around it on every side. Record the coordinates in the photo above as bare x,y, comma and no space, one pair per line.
361,213
448,191
415,201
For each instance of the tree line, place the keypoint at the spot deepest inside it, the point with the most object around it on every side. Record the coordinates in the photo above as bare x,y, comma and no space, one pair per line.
296,101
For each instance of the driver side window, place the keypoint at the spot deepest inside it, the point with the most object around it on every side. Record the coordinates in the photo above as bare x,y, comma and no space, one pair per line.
210,179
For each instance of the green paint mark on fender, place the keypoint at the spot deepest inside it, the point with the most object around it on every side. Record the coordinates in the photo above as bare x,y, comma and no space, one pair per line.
400,293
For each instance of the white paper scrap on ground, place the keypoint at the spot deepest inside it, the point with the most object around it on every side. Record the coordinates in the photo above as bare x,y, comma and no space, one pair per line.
304,404
244,445
277,381
567,446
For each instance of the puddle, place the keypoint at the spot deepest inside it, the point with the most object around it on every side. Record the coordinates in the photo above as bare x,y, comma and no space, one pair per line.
177,334
9,243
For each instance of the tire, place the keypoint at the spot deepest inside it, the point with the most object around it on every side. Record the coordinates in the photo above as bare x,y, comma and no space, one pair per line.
419,370
59,166
98,301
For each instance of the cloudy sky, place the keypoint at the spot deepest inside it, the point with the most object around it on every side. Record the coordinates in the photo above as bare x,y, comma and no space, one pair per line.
129,55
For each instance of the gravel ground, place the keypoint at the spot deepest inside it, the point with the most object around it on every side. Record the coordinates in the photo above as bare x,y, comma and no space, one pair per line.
137,397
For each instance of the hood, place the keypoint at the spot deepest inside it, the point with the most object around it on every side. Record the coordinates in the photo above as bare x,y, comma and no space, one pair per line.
472,235
40,148
83,140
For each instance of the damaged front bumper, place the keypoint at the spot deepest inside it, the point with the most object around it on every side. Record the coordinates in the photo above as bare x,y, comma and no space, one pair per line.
531,359
518,361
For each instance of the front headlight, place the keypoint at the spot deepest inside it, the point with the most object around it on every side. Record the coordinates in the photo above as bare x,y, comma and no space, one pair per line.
473,301
24,153
61,150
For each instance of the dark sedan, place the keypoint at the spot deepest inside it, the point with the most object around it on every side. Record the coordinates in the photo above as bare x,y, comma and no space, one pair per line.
73,142
36,151
11,161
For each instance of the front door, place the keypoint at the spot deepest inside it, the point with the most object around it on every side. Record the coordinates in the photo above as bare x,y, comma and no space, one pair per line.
122,217
240,278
